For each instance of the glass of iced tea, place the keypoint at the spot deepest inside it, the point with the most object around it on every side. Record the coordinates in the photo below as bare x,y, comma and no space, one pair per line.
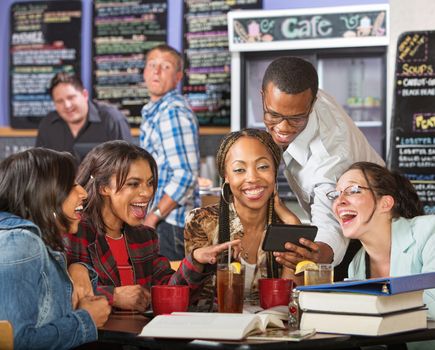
319,274
230,287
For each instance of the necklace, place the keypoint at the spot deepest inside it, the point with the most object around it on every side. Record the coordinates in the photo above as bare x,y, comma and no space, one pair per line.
244,251
115,239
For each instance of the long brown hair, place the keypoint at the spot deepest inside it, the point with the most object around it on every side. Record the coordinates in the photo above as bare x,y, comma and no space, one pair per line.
382,182
33,185
111,158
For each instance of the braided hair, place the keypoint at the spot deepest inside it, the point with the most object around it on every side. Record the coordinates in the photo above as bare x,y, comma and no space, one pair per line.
383,182
224,216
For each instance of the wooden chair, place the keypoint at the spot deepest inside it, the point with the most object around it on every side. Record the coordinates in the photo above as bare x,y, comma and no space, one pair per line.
6,336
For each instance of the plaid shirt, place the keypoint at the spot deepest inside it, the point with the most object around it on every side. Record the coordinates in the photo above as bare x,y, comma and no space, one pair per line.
149,268
169,131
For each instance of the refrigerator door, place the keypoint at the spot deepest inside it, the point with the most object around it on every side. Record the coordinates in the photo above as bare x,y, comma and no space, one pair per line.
358,84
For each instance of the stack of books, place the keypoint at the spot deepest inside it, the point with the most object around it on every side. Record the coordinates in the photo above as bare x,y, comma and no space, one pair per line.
372,307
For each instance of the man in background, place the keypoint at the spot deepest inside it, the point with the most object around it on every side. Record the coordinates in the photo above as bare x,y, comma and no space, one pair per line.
320,141
169,131
78,124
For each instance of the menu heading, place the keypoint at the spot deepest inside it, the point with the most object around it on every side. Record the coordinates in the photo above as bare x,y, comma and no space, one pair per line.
253,30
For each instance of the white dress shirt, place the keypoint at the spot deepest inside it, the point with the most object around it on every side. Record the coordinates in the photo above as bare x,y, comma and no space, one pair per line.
316,159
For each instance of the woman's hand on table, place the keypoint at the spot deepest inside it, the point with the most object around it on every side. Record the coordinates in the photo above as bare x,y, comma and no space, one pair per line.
98,308
133,297
82,285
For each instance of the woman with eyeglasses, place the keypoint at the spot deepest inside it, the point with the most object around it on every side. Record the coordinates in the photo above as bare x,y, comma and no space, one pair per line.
381,209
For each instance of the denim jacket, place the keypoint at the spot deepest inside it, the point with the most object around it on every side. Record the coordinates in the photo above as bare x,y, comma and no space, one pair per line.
35,291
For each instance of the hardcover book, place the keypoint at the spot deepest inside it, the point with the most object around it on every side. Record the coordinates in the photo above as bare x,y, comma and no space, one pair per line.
379,286
369,304
357,324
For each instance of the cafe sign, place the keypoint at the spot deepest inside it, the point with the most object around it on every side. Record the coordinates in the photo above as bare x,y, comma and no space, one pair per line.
308,28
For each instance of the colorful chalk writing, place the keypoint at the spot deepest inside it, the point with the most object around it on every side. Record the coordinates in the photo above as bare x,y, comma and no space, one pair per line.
413,131
306,27
207,80
123,32
44,41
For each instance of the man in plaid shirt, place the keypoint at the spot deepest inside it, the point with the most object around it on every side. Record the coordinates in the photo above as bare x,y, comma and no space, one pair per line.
169,131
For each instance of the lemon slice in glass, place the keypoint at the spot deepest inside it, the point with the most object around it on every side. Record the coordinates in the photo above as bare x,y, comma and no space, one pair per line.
304,265
235,267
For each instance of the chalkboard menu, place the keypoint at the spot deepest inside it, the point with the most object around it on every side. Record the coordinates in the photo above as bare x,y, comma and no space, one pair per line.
45,39
413,123
122,33
207,80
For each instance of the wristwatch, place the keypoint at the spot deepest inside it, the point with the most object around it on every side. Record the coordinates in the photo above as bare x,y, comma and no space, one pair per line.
156,211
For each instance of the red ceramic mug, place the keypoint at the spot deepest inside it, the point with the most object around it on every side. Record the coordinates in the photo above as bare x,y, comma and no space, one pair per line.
166,299
274,291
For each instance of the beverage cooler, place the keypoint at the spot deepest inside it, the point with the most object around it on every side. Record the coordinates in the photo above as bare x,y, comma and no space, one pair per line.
347,45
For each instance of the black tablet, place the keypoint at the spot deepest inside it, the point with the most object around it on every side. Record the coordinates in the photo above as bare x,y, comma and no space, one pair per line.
277,235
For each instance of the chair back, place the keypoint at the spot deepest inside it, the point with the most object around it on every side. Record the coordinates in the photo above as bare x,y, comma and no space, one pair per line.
6,336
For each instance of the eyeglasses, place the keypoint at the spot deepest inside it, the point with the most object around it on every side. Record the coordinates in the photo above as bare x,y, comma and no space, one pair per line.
348,191
296,121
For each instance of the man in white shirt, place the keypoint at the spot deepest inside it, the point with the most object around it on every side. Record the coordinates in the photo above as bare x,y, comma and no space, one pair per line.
320,141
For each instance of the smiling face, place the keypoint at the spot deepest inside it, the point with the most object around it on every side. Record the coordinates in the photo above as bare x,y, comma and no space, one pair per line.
280,104
161,74
70,103
72,207
356,211
250,172
129,204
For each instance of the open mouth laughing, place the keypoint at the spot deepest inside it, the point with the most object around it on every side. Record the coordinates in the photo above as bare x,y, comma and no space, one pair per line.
139,209
347,216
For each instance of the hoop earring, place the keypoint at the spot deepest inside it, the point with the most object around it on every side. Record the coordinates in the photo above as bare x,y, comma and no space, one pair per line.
223,192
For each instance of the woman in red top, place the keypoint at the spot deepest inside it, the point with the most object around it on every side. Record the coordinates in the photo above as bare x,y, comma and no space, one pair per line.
121,180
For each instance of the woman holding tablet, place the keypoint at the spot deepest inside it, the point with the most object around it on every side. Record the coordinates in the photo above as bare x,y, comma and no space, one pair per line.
247,162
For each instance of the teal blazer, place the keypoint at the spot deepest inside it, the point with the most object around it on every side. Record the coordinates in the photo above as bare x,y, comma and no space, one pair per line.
412,251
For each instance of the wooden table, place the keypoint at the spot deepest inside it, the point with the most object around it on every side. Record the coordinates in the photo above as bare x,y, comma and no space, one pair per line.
122,329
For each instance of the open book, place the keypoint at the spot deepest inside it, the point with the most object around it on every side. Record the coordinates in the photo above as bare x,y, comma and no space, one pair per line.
280,311
204,325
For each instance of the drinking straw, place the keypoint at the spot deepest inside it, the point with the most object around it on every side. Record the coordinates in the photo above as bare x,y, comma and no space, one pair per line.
229,256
